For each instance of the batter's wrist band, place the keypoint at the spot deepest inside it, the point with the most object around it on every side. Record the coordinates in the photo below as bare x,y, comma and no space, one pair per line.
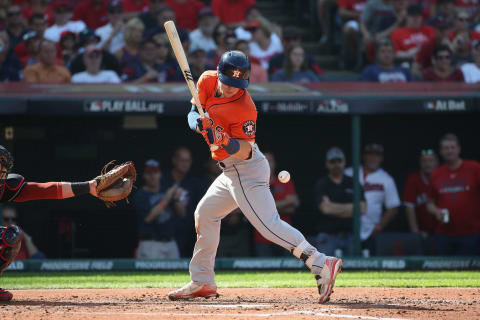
232,147
79,188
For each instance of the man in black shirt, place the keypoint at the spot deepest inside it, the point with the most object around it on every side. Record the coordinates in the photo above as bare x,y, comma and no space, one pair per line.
334,200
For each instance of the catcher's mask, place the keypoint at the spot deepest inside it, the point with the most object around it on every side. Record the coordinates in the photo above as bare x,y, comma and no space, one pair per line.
6,164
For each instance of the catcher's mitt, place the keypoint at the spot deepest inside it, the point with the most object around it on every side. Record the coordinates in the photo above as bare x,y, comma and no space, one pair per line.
116,183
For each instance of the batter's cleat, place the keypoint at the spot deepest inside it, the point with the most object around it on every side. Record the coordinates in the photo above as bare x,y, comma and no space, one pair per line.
192,290
326,278
5,295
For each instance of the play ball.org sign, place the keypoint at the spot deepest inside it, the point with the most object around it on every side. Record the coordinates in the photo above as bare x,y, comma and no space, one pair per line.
123,106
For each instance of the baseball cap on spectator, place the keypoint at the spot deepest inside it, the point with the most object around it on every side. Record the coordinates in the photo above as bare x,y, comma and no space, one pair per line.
152,165
114,6
86,35
252,25
65,34
373,148
92,48
335,153
29,35
61,4
204,12
427,152
414,10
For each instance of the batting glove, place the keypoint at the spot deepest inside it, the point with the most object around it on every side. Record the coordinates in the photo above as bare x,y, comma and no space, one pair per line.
204,123
222,139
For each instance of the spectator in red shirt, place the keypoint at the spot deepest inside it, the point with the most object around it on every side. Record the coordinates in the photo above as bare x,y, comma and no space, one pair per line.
408,40
443,69
231,12
92,12
455,186
132,8
286,201
415,195
462,37
186,12
423,58
28,250
37,24
38,7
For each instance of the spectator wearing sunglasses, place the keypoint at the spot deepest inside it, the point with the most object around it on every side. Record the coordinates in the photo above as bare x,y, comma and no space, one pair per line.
461,38
92,58
415,195
111,34
471,71
442,67
455,187
15,26
63,22
334,200
28,250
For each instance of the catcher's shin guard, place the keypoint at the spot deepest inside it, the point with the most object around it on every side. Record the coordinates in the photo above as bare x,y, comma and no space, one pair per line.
10,242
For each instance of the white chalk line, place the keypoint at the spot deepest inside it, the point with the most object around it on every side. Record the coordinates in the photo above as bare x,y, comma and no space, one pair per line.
250,315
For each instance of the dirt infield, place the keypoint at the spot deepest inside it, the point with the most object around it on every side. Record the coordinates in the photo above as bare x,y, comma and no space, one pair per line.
291,304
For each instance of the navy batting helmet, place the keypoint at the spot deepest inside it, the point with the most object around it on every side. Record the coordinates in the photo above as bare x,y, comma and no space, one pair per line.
234,69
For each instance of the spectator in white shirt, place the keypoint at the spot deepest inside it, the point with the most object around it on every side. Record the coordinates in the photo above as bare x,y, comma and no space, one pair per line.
265,44
471,71
202,37
380,191
92,58
111,34
63,14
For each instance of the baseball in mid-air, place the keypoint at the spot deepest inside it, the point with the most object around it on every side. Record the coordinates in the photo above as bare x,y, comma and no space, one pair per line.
284,176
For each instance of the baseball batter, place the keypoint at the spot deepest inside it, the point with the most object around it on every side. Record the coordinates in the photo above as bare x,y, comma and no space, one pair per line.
14,188
244,183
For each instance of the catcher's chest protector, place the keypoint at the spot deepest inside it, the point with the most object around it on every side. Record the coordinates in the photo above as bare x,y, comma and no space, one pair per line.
10,243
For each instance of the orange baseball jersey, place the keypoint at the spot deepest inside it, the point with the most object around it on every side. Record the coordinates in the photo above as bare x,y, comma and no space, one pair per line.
237,116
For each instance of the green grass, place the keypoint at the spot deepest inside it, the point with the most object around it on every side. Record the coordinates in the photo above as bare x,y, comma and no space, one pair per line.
56,280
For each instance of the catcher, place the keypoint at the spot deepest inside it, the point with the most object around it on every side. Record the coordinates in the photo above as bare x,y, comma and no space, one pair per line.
112,185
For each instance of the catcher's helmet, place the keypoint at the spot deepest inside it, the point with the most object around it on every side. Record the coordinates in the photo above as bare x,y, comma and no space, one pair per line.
6,164
234,69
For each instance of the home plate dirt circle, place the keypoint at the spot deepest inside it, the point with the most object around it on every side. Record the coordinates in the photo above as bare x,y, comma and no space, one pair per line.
291,304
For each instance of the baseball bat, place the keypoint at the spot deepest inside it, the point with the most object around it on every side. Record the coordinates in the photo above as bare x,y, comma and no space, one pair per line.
183,63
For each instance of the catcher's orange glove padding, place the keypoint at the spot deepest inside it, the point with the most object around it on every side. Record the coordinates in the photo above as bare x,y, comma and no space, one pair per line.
117,183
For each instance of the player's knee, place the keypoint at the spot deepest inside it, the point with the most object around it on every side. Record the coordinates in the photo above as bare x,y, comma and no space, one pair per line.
12,236
10,242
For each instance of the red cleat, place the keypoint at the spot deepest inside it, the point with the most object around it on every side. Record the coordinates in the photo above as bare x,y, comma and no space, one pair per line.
193,290
326,279
5,295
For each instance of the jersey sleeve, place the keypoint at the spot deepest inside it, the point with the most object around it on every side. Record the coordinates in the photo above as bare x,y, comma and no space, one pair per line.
205,87
409,194
392,199
13,187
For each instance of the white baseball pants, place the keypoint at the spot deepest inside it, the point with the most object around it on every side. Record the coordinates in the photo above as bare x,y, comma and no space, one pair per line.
244,184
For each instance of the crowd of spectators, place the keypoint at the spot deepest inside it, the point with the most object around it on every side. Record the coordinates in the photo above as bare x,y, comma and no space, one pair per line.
429,40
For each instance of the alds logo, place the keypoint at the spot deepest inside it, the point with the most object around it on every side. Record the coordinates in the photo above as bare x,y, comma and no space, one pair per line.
249,128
